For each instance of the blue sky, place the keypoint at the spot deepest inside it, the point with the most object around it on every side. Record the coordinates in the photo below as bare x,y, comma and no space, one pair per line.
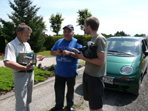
130,16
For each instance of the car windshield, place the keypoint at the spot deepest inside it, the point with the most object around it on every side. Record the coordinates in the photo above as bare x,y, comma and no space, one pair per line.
122,46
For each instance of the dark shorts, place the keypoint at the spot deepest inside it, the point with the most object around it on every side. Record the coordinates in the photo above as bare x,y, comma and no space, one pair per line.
93,89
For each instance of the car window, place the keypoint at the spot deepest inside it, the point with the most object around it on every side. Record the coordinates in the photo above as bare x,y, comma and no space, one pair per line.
129,46
144,45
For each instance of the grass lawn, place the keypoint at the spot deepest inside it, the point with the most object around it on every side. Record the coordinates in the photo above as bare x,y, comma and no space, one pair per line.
45,53
1,57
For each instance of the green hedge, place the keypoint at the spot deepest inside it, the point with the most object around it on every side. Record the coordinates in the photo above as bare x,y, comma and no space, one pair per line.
83,37
51,40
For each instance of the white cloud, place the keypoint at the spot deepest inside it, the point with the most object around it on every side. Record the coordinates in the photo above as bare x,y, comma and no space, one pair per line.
115,15
139,14
56,4
129,26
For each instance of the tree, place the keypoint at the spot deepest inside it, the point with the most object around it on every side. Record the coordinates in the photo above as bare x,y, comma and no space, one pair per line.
7,33
2,41
140,35
107,36
1,32
24,12
82,15
120,33
56,22
8,30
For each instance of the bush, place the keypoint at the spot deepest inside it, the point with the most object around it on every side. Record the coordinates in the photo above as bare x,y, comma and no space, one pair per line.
83,37
52,67
51,40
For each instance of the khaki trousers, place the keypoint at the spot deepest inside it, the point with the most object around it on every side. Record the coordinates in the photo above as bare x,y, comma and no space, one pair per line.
23,84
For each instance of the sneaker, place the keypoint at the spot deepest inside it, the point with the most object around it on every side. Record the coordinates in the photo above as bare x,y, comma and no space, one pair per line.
69,109
55,109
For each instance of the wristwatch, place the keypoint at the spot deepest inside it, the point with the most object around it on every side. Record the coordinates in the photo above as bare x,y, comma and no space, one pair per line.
70,54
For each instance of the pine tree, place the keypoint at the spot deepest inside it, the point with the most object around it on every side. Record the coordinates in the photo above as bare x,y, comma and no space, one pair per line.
8,30
25,12
2,41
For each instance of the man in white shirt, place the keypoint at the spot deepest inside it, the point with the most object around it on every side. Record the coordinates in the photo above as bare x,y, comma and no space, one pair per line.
23,74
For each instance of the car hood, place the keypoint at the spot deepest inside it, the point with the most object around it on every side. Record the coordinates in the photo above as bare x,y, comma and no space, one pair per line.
115,63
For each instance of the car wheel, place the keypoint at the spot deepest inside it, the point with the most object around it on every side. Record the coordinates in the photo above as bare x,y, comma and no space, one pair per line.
137,91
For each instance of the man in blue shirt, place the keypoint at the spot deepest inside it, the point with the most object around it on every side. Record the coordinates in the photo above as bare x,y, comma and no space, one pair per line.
66,69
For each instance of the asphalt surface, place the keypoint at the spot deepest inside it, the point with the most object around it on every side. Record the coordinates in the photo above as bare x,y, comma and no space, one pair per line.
43,94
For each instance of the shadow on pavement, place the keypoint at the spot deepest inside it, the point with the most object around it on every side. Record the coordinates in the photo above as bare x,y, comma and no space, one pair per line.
79,90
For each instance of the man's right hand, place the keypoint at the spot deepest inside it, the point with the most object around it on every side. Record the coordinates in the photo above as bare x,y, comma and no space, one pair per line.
58,52
55,53
79,56
28,66
16,66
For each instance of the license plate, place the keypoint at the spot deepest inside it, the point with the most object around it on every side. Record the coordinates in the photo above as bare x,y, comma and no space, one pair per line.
109,80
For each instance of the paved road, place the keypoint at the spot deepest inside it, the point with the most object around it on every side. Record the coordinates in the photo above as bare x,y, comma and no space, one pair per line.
1,63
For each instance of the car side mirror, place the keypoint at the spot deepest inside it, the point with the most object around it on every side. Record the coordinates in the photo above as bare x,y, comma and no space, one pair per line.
146,52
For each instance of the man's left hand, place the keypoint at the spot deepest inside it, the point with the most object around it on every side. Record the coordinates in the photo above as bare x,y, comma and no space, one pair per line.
79,56
65,53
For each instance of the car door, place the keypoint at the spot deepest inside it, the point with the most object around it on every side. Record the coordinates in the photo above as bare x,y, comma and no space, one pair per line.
144,57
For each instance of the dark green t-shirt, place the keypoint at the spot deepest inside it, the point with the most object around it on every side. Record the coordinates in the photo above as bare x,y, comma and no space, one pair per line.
96,70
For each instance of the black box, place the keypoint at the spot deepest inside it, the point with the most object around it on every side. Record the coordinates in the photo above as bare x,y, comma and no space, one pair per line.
25,58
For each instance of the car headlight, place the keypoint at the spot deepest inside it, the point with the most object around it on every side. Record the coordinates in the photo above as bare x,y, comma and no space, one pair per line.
126,70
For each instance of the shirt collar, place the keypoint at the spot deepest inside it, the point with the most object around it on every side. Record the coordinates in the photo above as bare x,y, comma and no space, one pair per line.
94,37
18,42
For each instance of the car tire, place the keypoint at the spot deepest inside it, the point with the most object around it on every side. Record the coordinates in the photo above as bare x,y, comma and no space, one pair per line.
138,90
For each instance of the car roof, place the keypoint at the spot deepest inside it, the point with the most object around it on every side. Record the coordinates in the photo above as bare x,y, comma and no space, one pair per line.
127,37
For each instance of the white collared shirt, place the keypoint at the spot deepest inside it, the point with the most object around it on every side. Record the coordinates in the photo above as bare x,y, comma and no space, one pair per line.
15,47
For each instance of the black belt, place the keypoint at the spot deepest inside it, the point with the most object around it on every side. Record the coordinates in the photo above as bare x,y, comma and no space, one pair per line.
26,71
